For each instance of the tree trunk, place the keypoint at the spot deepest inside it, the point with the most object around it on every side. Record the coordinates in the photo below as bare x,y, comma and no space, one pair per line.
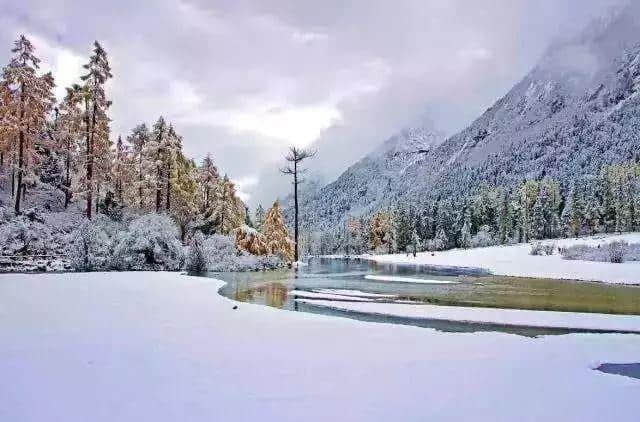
97,197
158,191
295,202
90,159
168,205
67,182
20,170
158,179
140,178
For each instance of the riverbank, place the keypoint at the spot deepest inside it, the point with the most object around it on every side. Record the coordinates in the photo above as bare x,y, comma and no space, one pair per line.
164,346
516,260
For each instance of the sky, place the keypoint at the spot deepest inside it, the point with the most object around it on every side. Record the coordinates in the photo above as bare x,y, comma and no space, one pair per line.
244,80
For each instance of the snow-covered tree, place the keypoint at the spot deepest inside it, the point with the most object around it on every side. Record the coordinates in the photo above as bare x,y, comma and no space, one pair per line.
25,110
276,234
96,142
259,217
150,241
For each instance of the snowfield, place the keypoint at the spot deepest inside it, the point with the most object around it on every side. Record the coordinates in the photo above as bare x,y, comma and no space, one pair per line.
167,347
515,260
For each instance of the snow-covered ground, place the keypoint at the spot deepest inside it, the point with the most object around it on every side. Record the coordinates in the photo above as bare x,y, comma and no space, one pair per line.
515,260
167,347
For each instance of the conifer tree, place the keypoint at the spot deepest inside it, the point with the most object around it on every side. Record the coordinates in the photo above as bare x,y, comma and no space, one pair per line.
96,119
259,217
296,156
276,234
138,140
26,109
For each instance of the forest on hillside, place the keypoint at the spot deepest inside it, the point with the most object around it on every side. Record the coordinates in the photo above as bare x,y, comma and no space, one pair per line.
68,187
606,202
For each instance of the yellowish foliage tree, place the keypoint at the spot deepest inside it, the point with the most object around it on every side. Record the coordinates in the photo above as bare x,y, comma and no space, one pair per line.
276,234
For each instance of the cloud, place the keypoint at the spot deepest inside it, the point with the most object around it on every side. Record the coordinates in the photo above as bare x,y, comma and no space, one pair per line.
244,79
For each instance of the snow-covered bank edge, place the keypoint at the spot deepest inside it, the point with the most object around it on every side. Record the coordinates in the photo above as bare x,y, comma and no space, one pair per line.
516,261
492,316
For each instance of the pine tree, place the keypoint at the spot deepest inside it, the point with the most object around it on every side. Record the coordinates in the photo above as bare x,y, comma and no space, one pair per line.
296,156
68,130
185,204
465,232
96,119
441,241
138,139
276,234
259,217
155,150
26,112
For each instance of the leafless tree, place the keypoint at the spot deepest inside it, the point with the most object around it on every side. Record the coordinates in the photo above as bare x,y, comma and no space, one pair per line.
296,156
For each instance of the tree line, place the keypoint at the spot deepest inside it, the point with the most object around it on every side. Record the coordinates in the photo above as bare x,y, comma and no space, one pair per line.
68,145
534,209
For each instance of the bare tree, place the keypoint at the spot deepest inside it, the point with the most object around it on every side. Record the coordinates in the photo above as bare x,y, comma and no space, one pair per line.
296,156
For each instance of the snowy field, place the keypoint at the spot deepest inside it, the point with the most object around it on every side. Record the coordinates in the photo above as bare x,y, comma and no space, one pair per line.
166,347
516,261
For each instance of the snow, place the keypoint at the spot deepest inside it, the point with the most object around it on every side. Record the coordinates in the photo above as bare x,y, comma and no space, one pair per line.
512,317
164,347
321,295
345,292
515,260
407,279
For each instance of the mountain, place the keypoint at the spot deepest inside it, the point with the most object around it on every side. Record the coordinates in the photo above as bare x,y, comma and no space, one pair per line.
575,111
362,187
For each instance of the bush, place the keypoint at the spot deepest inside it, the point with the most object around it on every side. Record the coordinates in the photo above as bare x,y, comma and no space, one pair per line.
223,256
616,251
537,249
151,242
483,238
548,248
91,247
197,257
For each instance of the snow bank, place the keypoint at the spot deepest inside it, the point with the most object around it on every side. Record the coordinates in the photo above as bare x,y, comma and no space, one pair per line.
515,260
165,347
407,279
304,294
513,317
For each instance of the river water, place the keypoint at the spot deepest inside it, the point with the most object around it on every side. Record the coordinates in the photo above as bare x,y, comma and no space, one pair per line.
357,279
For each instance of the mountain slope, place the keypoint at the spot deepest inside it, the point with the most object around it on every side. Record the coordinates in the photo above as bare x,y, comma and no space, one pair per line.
575,111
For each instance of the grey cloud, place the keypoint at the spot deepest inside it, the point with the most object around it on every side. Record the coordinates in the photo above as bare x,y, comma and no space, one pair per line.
381,65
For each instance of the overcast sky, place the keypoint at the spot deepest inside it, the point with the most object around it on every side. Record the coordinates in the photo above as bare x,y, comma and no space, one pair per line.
245,79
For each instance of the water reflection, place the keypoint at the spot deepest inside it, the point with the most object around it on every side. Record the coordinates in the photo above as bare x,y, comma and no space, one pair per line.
474,287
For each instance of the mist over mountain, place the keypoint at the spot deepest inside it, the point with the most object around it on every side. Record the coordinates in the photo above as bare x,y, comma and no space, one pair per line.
575,111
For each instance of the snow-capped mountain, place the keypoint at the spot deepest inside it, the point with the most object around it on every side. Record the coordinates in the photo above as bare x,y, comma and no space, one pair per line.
366,184
576,110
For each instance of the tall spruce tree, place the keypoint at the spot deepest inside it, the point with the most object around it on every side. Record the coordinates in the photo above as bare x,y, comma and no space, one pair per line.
96,118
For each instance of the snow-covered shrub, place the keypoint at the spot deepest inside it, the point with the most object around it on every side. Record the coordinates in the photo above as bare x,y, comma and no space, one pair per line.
151,242
616,251
20,236
483,238
539,248
224,256
197,259
536,249
91,248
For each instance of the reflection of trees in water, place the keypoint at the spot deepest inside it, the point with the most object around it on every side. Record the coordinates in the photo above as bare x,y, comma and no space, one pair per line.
272,294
